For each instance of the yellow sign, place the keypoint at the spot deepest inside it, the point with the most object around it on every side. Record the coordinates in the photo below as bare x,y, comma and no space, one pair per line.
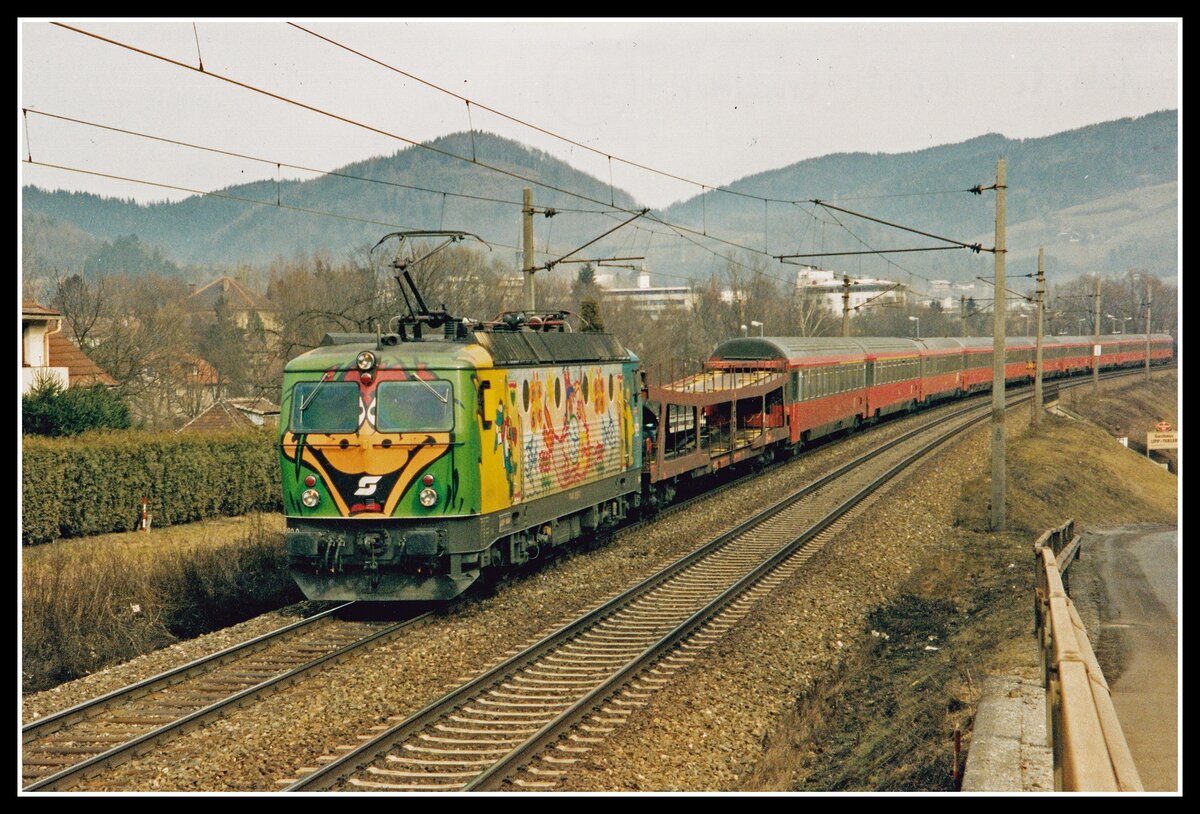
1162,440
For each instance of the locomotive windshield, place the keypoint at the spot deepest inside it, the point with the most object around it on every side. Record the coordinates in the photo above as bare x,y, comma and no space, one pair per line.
414,406
325,407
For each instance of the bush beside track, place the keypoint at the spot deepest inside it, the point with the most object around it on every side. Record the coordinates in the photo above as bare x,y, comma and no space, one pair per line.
94,483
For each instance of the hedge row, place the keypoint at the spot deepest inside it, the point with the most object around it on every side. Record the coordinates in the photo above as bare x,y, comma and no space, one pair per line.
94,483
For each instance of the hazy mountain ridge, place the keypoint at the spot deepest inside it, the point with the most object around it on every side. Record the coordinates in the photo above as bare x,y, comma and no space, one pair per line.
1102,197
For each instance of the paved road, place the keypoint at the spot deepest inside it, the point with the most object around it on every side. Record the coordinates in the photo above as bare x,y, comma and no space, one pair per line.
1126,585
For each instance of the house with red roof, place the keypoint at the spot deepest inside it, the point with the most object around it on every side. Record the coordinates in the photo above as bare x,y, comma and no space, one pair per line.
47,353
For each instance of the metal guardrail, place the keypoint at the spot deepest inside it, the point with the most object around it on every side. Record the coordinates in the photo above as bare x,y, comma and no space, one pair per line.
1090,752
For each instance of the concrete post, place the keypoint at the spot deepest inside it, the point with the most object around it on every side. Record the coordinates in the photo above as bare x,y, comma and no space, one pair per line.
527,245
999,474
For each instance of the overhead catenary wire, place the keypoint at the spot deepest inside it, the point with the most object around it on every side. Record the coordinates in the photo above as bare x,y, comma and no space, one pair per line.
704,186
368,127
785,257
196,35
975,247
240,199
291,166
524,123
850,232
356,123
339,117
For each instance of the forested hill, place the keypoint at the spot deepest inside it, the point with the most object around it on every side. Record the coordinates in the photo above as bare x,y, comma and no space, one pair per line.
221,230
1100,198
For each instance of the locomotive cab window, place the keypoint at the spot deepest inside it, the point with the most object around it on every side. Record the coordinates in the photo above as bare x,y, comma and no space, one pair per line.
414,406
325,407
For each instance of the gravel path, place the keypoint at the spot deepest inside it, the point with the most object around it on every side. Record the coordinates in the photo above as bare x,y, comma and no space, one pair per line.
257,747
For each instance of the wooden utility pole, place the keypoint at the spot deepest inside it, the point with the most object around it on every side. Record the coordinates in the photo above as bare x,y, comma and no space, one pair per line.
845,305
1037,371
527,245
1096,343
962,310
999,474
1149,299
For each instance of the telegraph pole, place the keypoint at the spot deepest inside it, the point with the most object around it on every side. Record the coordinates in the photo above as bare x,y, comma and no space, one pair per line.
999,474
527,245
1096,344
962,310
1037,372
846,305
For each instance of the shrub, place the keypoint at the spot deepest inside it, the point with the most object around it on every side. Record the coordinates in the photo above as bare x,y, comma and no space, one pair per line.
49,409
94,483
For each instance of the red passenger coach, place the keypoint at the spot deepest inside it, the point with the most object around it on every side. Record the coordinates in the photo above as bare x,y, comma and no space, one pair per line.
762,397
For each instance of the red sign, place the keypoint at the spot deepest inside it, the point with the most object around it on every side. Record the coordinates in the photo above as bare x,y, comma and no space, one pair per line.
1163,426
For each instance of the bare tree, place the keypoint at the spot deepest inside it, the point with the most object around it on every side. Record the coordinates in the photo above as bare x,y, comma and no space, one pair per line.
84,301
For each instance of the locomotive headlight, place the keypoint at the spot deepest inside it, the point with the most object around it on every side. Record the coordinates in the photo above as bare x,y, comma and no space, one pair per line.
365,361
428,497
310,498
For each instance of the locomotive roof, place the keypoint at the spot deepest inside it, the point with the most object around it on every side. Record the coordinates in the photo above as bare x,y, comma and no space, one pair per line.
503,348
541,347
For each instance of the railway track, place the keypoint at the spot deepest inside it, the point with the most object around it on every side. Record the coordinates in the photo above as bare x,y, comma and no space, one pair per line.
91,737
527,719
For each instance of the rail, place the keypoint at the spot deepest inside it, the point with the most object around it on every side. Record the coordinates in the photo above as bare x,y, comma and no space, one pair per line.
1090,752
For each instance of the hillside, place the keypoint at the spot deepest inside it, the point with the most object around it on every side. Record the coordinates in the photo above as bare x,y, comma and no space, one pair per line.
1100,198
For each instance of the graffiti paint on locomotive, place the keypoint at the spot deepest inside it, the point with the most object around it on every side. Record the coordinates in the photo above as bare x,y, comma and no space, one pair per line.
562,427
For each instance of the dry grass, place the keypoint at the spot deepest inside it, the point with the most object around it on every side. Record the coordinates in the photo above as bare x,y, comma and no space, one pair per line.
92,602
215,532
1130,408
1069,468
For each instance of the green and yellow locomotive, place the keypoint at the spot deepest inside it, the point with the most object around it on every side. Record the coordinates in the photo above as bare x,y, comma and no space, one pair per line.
415,461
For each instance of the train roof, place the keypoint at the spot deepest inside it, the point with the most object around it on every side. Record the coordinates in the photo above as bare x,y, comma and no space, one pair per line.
776,348
502,348
540,347
786,348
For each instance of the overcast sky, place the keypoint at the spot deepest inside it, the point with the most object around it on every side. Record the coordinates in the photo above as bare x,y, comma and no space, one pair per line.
709,100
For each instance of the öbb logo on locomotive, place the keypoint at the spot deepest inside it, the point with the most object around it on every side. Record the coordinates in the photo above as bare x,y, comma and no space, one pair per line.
417,460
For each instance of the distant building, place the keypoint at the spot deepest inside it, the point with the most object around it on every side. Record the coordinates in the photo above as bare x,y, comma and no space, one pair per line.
262,413
651,299
813,281
234,414
239,302
951,295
